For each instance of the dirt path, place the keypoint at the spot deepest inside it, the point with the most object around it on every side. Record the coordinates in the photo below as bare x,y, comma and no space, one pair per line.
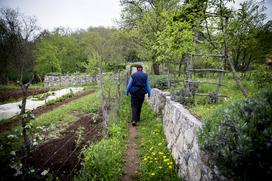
131,165
44,109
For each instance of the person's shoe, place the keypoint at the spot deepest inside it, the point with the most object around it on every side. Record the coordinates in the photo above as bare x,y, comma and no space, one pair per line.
133,123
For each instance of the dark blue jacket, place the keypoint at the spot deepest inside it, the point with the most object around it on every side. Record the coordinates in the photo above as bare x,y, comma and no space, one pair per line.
138,80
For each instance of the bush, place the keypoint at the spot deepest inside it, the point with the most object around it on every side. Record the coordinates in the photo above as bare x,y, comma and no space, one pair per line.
239,141
262,77
161,81
103,160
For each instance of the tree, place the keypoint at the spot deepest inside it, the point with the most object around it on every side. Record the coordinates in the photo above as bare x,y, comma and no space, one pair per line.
17,39
46,58
244,30
142,18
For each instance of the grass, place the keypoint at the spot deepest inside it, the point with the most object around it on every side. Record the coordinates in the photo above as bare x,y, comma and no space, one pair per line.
156,162
51,122
201,108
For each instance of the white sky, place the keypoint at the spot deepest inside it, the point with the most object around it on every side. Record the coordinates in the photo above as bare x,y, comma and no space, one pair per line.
76,14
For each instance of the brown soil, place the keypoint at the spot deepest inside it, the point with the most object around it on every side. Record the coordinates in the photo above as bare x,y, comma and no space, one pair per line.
131,165
62,155
16,94
40,110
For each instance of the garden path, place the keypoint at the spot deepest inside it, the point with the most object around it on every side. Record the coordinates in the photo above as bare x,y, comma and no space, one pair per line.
131,165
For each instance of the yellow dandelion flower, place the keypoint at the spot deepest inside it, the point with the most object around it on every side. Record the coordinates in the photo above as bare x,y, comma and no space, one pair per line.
152,173
170,167
160,167
161,153
145,159
164,157
153,153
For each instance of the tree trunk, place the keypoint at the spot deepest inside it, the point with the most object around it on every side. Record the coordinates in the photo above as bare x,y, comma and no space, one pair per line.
237,80
119,84
168,78
27,142
189,65
180,66
104,108
156,68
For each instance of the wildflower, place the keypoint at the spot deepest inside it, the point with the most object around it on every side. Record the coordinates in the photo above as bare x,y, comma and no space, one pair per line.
161,153
152,173
44,172
145,158
151,149
159,144
153,153
160,167
164,157
170,167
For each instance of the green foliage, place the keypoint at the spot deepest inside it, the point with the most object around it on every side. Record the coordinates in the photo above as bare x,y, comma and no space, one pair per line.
46,58
175,39
248,36
104,160
262,77
161,81
238,138
156,162
51,122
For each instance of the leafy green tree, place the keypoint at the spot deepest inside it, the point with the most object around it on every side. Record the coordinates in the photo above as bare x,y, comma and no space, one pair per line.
244,30
46,58
143,20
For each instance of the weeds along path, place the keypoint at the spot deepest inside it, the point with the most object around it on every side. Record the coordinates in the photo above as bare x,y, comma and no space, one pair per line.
44,109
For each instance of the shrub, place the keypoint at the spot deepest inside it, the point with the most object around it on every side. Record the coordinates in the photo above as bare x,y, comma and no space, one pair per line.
262,77
103,160
239,141
161,81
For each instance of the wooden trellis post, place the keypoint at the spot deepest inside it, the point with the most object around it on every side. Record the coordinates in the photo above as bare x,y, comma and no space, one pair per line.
222,58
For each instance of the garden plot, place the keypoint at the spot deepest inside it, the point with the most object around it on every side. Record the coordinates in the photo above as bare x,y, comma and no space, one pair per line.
58,138
11,109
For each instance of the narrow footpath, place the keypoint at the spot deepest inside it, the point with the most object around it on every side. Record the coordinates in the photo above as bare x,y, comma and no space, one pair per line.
132,162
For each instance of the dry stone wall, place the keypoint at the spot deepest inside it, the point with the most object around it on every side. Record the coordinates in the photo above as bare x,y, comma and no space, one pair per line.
68,80
180,128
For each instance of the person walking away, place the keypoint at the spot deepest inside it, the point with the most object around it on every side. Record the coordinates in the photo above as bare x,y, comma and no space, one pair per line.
138,86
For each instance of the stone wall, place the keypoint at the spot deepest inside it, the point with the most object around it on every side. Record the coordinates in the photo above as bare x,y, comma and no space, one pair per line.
180,128
67,80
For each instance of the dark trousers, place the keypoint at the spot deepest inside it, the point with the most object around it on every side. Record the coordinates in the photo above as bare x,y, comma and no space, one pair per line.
136,106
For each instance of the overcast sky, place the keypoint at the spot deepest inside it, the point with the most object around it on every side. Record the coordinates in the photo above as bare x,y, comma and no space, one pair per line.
76,14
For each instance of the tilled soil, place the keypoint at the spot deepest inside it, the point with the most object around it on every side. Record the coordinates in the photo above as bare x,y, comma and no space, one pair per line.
62,155
40,110
16,94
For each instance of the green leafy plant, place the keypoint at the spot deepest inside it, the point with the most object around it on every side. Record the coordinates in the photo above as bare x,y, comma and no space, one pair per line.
104,160
239,141
262,77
